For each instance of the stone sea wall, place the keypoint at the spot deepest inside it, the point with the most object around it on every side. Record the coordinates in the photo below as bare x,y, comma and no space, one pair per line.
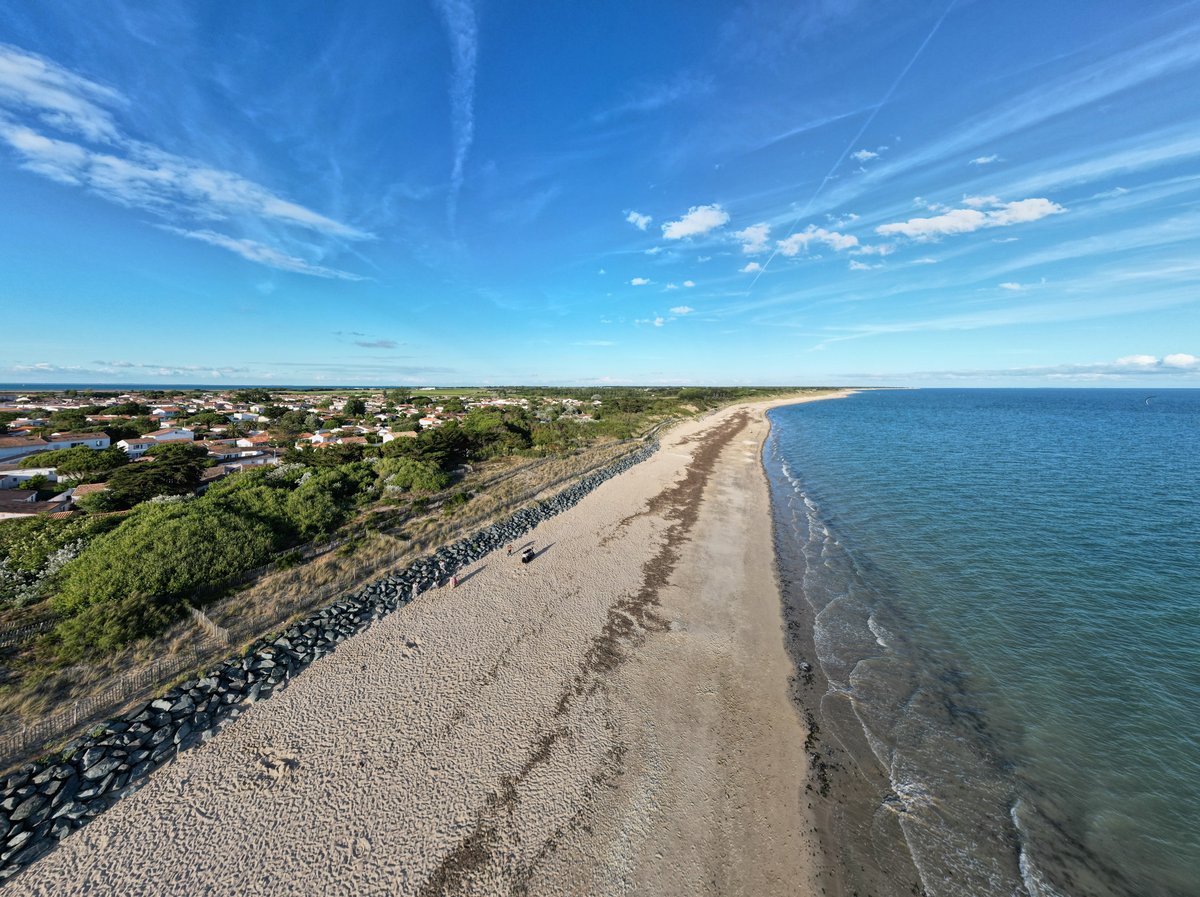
44,802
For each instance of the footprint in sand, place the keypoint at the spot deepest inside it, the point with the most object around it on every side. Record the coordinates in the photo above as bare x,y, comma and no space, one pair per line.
277,764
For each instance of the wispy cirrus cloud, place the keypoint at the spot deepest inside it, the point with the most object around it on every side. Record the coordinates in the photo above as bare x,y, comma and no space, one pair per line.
254,251
124,369
650,98
1115,71
57,97
1130,368
90,151
462,30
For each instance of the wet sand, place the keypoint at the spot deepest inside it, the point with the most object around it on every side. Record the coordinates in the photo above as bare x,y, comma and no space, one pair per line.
615,717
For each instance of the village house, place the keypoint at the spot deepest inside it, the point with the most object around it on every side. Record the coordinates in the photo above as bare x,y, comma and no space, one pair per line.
172,434
16,477
88,489
135,448
258,439
23,503
389,435
13,448
95,441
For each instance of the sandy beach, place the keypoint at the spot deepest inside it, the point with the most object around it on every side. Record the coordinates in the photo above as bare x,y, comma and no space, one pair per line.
613,718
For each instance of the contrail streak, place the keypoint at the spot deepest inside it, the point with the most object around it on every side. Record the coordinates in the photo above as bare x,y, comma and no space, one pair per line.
463,32
854,141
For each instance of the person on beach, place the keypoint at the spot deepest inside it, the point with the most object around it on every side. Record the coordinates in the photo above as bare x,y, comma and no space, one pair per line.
454,581
510,549
414,590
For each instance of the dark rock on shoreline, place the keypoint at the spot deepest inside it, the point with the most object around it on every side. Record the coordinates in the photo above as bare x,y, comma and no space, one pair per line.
42,803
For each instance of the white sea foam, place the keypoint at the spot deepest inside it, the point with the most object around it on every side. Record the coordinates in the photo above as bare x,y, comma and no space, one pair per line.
881,634
1035,882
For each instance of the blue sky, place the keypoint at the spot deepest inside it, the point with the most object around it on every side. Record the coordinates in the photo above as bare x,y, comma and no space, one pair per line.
458,192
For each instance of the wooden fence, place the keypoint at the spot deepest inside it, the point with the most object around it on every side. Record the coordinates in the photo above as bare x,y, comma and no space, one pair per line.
46,730
35,736
15,635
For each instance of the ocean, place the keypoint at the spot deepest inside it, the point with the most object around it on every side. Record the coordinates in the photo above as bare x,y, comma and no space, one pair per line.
1002,591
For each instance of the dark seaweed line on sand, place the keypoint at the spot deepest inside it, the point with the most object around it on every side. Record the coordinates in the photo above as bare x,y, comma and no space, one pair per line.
629,622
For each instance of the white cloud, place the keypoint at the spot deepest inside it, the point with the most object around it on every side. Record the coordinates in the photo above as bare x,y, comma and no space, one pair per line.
136,174
689,283
1176,361
638,220
602,271
799,241
925,261
754,239
254,251
978,202
861,266
682,310
863,155
751,268
672,286
1010,285
964,221
875,249
984,160
698,220
59,160
639,281
659,321
57,97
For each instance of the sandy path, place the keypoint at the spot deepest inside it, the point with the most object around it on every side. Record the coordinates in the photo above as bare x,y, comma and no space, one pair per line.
613,718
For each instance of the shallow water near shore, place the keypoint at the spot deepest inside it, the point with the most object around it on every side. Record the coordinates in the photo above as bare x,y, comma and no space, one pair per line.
1003,588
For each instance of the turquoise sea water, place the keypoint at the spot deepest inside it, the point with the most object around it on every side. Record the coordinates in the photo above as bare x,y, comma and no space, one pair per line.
1005,586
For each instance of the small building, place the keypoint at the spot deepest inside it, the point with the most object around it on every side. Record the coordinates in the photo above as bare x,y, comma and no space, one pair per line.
135,448
14,477
89,489
18,503
172,434
13,448
96,441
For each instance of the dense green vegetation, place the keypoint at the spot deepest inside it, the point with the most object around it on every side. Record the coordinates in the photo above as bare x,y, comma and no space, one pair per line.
79,462
176,469
131,581
115,578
